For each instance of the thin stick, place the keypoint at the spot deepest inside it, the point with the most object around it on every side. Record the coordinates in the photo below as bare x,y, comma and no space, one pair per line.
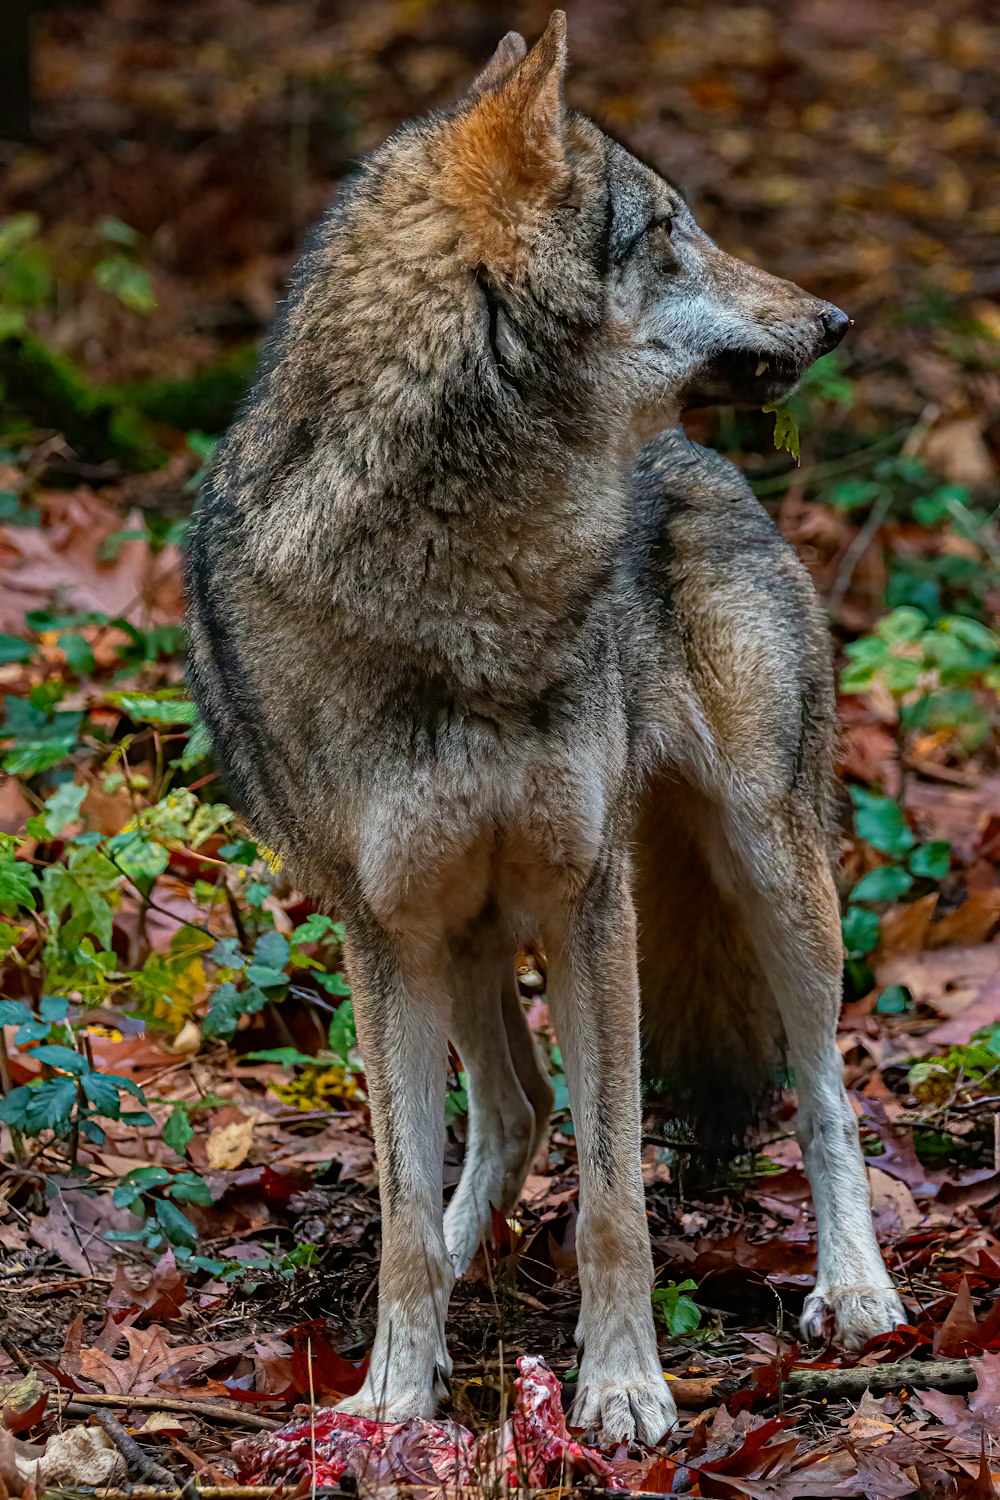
208,1410
138,1462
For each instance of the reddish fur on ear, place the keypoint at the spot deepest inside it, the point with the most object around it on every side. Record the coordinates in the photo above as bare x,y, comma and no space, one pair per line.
506,158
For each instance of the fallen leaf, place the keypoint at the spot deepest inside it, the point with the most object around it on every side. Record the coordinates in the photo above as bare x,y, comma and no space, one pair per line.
228,1146
23,1402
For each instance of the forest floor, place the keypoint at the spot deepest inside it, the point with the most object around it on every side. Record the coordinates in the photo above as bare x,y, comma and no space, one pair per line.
189,1224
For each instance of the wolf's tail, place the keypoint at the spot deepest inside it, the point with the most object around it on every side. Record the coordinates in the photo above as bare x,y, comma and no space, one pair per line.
713,1039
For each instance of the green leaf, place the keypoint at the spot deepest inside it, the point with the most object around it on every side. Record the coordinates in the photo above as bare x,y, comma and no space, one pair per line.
103,1095
342,1034
18,881
13,1013
265,976
931,861
288,1057
31,1031
971,633
16,232
118,232
676,1311
41,739
334,984
887,883
860,931
315,927
228,1005
13,649
60,810
164,707
79,657
50,1105
894,1000
188,1187
176,1226
140,1180
902,625
137,855
849,494
880,821
198,747
127,281
271,949
178,1130
62,1057
14,1106
786,432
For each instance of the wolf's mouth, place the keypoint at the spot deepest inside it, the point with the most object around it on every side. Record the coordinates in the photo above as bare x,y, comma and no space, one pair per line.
744,377
756,376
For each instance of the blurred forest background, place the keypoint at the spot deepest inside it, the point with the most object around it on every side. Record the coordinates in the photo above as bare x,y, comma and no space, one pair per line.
181,1085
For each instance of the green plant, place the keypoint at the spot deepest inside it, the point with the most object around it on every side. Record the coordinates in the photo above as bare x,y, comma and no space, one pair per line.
674,1308
935,1080
155,1193
944,675
880,822
71,1096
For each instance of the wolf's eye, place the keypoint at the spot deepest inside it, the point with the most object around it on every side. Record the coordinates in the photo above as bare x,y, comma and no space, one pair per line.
664,222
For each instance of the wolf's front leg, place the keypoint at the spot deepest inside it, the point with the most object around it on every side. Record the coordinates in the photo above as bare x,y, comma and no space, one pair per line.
401,1008
594,996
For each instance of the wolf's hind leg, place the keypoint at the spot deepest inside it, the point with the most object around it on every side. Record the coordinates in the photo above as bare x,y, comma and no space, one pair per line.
509,1097
782,868
401,1007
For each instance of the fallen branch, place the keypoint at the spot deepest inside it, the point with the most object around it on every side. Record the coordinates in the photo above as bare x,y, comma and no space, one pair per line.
138,1462
951,1375
208,1410
219,1492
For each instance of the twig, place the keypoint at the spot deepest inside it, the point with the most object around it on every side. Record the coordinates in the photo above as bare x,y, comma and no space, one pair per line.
857,550
138,1462
804,1384
208,1410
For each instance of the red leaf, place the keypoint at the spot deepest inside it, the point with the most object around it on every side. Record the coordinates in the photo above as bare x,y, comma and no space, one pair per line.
959,1330
317,1368
163,1295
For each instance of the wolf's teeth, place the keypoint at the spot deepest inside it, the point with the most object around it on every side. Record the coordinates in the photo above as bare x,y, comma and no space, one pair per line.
761,367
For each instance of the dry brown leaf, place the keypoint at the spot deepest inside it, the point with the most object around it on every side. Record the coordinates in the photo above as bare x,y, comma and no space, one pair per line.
228,1146
149,1356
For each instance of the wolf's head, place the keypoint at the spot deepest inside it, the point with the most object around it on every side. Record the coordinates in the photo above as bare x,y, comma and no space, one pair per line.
502,273
549,208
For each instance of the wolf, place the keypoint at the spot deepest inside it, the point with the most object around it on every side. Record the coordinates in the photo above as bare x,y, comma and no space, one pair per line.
489,661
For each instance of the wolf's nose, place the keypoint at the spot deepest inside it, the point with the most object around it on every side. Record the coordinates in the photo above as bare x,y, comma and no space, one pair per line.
835,324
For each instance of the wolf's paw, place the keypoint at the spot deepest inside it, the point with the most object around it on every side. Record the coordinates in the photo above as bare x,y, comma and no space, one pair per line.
398,1401
624,1410
851,1315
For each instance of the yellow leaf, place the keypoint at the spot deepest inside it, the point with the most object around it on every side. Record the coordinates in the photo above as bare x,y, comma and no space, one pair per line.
786,432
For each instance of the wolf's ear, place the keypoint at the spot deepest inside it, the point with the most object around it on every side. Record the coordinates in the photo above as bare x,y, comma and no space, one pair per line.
506,153
510,51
